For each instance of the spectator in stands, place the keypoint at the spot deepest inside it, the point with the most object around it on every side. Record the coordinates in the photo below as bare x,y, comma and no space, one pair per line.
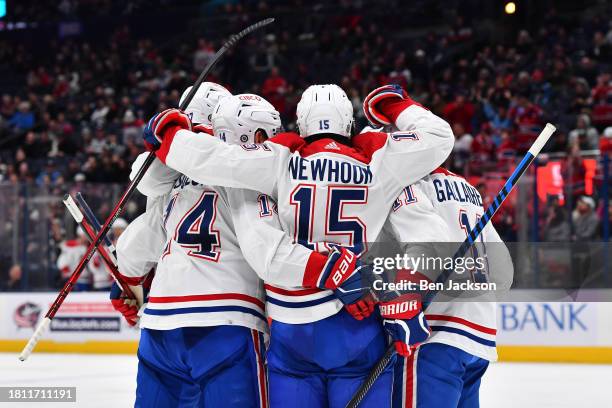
605,143
586,230
586,222
49,175
460,111
23,119
482,151
132,128
274,89
463,147
584,134
574,170
13,283
527,117
498,118
203,54
556,226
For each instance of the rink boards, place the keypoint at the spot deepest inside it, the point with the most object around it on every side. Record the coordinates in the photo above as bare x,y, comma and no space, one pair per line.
553,331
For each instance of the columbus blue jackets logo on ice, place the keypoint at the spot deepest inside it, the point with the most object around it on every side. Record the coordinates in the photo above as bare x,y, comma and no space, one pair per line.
26,315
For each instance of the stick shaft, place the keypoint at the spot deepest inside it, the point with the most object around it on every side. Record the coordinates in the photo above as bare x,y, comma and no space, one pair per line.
105,253
91,218
380,366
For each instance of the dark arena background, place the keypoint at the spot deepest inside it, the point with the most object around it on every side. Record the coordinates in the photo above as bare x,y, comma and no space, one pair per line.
79,79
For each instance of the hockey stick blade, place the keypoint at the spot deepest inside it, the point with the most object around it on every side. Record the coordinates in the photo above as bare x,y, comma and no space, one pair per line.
104,250
89,216
512,181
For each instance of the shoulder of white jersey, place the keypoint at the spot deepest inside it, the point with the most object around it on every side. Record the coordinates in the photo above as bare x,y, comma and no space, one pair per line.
290,140
445,172
445,185
360,148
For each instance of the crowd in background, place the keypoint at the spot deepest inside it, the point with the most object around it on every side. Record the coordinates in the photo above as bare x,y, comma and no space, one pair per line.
76,106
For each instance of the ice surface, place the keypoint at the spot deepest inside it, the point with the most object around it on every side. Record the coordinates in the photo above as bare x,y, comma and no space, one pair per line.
102,380
110,380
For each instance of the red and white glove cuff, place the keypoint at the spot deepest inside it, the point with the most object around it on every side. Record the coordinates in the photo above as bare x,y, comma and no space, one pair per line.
375,107
167,124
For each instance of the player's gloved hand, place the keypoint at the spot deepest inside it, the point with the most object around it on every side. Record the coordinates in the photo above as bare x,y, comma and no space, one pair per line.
124,305
362,307
339,267
163,124
342,273
404,321
382,106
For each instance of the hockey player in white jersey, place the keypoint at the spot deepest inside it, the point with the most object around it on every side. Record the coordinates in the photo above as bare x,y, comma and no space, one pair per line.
445,370
203,327
330,190
72,250
207,247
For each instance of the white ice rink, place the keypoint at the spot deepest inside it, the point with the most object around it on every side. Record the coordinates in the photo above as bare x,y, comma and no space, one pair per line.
109,381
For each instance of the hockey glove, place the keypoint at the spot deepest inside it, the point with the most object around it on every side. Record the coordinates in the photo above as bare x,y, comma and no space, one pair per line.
404,321
162,125
342,273
384,104
124,305
339,267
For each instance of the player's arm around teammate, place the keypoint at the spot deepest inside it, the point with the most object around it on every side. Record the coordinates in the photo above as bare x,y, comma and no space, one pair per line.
423,144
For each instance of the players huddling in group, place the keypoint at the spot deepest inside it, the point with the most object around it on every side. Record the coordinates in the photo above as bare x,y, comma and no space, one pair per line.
250,257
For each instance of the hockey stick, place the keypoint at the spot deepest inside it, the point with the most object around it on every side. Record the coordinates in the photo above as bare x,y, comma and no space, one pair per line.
133,292
531,154
105,251
90,217
46,321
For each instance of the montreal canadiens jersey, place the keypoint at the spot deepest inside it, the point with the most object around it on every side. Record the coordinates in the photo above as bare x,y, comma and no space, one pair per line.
211,252
201,278
443,207
327,192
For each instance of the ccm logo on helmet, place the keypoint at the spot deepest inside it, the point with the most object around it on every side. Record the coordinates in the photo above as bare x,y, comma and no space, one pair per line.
249,98
343,267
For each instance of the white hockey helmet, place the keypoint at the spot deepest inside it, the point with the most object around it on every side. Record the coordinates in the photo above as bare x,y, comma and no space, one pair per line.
204,101
324,109
237,118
